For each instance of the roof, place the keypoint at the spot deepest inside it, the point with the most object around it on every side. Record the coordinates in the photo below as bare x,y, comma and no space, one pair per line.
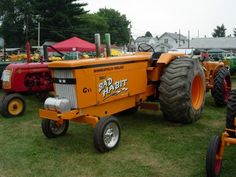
143,39
74,44
164,44
174,36
212,43
48,43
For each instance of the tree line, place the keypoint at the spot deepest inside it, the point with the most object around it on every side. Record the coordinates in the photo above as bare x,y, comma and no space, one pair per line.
59,20
219,31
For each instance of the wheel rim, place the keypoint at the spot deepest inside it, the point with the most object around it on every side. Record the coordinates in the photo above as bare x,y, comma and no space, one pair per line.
227,89
217,166
15,107
111,135
56,127
197,92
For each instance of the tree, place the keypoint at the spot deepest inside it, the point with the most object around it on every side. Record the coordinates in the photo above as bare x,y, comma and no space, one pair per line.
59,19
234,32
118,25
219,31
17,20
93,23
148,34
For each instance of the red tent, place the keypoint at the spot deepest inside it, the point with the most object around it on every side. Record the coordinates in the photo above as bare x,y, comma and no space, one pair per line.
74,44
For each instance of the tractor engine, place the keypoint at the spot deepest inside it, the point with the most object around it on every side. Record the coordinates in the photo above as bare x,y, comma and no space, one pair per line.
38,81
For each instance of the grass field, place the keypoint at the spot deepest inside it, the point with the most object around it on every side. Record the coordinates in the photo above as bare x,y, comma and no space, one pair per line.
149,147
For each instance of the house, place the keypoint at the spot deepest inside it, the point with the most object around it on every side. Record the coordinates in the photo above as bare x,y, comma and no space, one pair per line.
148,40
169,41
225,43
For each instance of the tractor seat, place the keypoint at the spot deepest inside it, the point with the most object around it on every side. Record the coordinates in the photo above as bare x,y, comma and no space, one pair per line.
155,57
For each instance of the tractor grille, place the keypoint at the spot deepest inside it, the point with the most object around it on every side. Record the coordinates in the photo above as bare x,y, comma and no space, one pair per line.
64,90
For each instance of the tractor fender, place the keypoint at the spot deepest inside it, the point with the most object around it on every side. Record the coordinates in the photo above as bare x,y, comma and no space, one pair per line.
166,58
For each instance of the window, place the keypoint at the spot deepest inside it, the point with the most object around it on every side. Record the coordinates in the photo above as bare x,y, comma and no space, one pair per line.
162,49
166,41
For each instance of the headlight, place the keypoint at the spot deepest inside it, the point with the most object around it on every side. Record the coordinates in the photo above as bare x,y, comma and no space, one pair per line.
6,75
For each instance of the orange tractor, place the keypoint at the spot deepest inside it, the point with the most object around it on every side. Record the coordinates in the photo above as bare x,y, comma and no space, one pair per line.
218,81
218,143
92,90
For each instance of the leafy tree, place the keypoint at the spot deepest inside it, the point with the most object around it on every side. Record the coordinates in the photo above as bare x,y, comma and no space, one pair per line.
219,31
17,20
93,23
234,32
118,25
148,34
59,19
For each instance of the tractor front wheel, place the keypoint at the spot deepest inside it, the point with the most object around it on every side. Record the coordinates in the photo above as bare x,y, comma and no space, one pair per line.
107,134
53,129
213,163
13,105
222,87
182,90
231,114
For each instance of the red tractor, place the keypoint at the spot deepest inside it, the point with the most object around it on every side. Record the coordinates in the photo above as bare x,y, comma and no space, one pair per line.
218,143
23,78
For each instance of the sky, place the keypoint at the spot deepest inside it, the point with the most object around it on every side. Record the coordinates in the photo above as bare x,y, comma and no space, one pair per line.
199,17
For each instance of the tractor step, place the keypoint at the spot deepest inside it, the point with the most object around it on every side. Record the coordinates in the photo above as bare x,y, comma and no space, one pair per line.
150,106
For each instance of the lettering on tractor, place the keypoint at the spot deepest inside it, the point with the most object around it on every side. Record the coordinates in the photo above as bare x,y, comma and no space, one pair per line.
109,88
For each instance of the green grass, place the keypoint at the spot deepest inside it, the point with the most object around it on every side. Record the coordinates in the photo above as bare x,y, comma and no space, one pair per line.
149,147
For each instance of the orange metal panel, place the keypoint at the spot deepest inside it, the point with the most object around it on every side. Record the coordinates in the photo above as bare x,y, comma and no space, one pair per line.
97,61
47,114
168,57
85,88
130,79
109,108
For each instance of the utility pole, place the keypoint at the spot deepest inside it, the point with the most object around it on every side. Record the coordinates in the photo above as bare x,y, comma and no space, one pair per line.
188,39
179,37
38,35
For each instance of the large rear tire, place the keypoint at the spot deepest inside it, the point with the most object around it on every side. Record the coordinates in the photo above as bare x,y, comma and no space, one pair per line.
182,90
231,113
222,87
213,165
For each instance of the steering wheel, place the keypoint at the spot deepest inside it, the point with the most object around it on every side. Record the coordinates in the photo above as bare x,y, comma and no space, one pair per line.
144,47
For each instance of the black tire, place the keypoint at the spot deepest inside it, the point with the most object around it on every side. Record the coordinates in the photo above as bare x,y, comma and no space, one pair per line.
231,113
213,165
52,130
12,105
1,100
222,87
178,84
101,132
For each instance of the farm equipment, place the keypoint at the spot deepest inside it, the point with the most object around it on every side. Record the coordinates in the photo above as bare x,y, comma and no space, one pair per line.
217,75
91,91
22,78
218,80
231,60
218,143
